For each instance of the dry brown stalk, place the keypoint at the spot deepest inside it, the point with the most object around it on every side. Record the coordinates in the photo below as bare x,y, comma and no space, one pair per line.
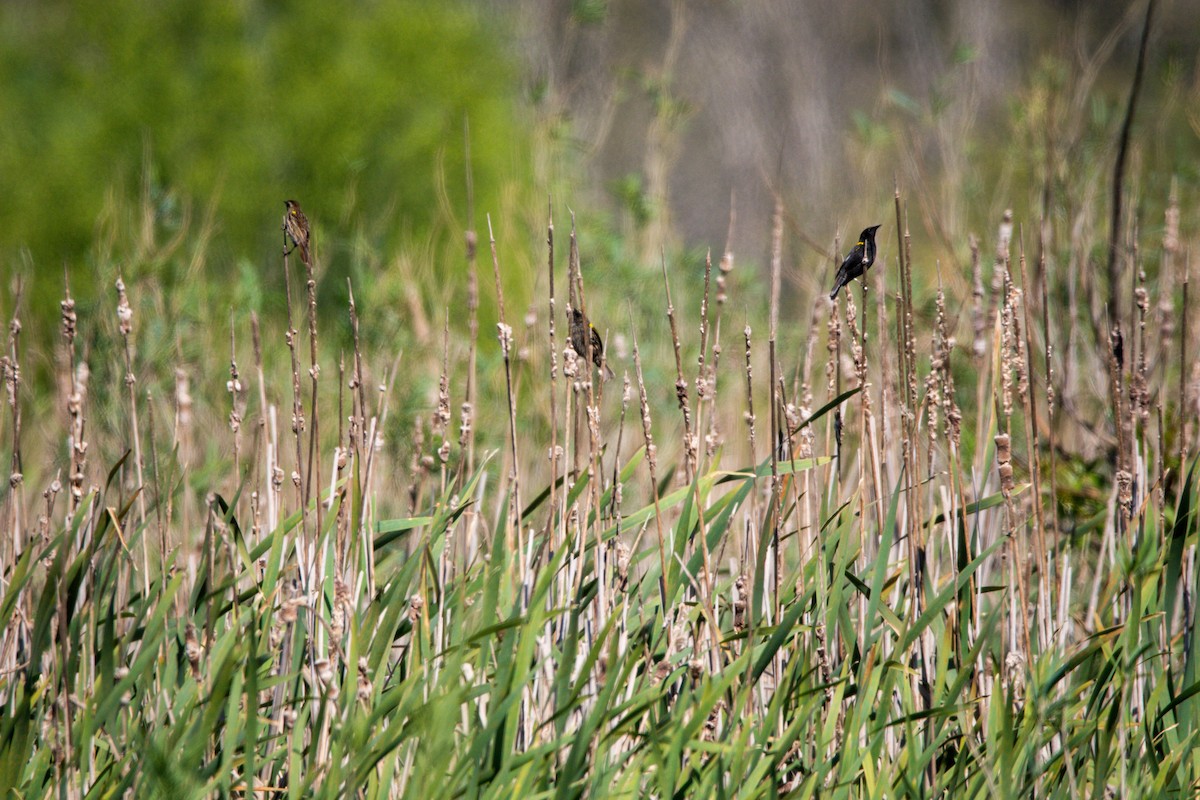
978,318
356,435
125,325
341,450
298,424
1186,420
1012,362
887,392
554,448
573,301
713,438
681,386
592,392
652,465
702,388
776,493
265,444
617,488
1045,603
1051,396
910,350
234,387
471,240
440,424
15,541
749,415
726,265
76,379
313,472
504,333
907,424
163,525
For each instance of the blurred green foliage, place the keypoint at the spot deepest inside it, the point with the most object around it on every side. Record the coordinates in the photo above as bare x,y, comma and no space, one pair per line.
223,109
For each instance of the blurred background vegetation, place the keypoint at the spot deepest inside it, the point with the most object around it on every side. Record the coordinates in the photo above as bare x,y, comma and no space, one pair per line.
654,112
206,116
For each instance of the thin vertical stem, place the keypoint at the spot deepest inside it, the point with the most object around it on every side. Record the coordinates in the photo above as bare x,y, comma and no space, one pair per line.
553,379
506,341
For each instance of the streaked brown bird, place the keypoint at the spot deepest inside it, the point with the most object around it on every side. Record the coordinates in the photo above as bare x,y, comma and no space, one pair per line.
580,327
295,227
858,260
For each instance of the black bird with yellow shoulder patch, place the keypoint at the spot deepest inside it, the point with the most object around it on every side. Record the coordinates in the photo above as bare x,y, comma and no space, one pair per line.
858,260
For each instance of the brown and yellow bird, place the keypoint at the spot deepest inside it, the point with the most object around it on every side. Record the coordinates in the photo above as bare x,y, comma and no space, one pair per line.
580,328
295,227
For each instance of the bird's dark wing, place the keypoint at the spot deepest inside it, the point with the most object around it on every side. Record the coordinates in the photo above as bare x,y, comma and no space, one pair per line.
843,277
850,269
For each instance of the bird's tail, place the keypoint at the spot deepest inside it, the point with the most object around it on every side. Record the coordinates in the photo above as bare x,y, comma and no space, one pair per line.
838,282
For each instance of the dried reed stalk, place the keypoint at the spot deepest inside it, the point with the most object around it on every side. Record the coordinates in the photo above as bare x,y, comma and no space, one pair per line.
504,333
